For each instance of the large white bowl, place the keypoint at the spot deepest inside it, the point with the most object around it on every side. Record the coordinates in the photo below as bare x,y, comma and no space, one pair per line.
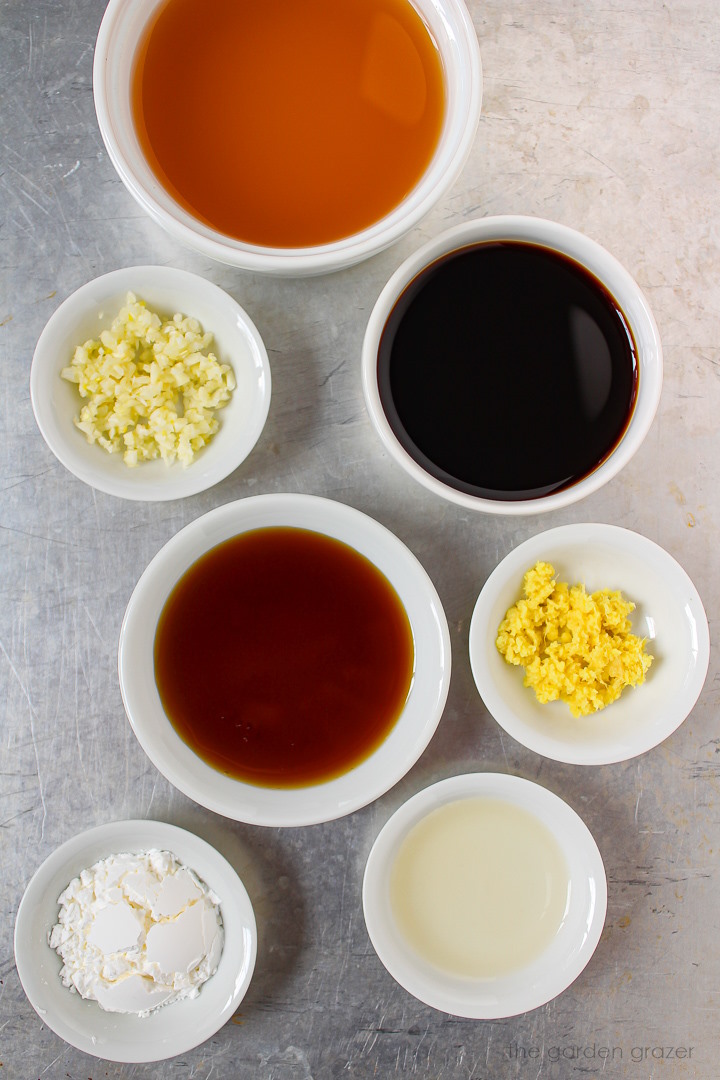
535,983
120,31
669,613
603,266
90,310
317,802
114,1036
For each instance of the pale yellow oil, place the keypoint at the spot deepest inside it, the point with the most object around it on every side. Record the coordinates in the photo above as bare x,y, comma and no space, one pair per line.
479,887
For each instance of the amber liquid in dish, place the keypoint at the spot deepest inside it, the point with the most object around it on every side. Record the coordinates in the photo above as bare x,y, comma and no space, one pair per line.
507,371
283,657
288,123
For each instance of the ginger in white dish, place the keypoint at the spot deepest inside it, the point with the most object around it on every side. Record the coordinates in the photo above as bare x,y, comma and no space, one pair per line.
575,646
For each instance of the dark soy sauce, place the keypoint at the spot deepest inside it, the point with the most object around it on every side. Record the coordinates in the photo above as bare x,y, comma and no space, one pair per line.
507,371
283,657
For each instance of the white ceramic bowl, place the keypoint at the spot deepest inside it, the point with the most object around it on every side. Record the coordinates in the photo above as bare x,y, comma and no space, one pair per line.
602,266
318,802
669,613
114,1036
92,309
535,983
120,31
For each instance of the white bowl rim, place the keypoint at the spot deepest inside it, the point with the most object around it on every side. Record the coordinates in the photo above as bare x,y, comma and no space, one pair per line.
531,986
323,258
610,750
588,253
167,1032
146,482
365,782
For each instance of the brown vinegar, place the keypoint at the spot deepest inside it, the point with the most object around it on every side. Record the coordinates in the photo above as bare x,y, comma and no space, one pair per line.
283,657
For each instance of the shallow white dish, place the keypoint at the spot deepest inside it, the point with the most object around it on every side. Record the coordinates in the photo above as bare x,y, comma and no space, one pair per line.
668,612
113,1036
601,265
237,342
536,983
121,29
318,802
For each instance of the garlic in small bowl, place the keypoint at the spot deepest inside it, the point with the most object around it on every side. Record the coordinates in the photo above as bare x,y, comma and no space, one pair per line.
150,362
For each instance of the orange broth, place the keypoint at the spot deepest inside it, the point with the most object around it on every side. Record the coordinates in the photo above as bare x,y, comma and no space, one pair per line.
288,123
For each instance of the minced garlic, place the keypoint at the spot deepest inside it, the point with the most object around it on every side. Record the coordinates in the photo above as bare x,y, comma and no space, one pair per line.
152,386
575,647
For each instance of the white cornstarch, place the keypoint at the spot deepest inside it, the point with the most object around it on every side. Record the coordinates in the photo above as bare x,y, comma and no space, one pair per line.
136,932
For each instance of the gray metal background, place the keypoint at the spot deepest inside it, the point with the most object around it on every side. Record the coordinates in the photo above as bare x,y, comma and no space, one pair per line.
604,116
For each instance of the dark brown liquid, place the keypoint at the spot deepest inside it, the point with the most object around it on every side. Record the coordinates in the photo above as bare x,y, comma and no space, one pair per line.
283,657
507,371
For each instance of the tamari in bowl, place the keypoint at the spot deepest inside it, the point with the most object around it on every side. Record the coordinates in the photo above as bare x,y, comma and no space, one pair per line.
512,366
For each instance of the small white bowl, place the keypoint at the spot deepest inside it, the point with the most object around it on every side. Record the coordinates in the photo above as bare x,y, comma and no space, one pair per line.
120,31
668,612
166,290
601,265
540,980
317,802
115,1036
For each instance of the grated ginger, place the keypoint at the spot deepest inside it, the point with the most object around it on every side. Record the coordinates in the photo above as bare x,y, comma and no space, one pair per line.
152,387
575,647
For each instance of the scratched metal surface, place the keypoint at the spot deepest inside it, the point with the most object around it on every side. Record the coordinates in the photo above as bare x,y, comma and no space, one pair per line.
603,116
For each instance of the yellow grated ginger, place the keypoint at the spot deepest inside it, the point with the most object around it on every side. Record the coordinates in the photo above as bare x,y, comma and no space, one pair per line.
575,647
